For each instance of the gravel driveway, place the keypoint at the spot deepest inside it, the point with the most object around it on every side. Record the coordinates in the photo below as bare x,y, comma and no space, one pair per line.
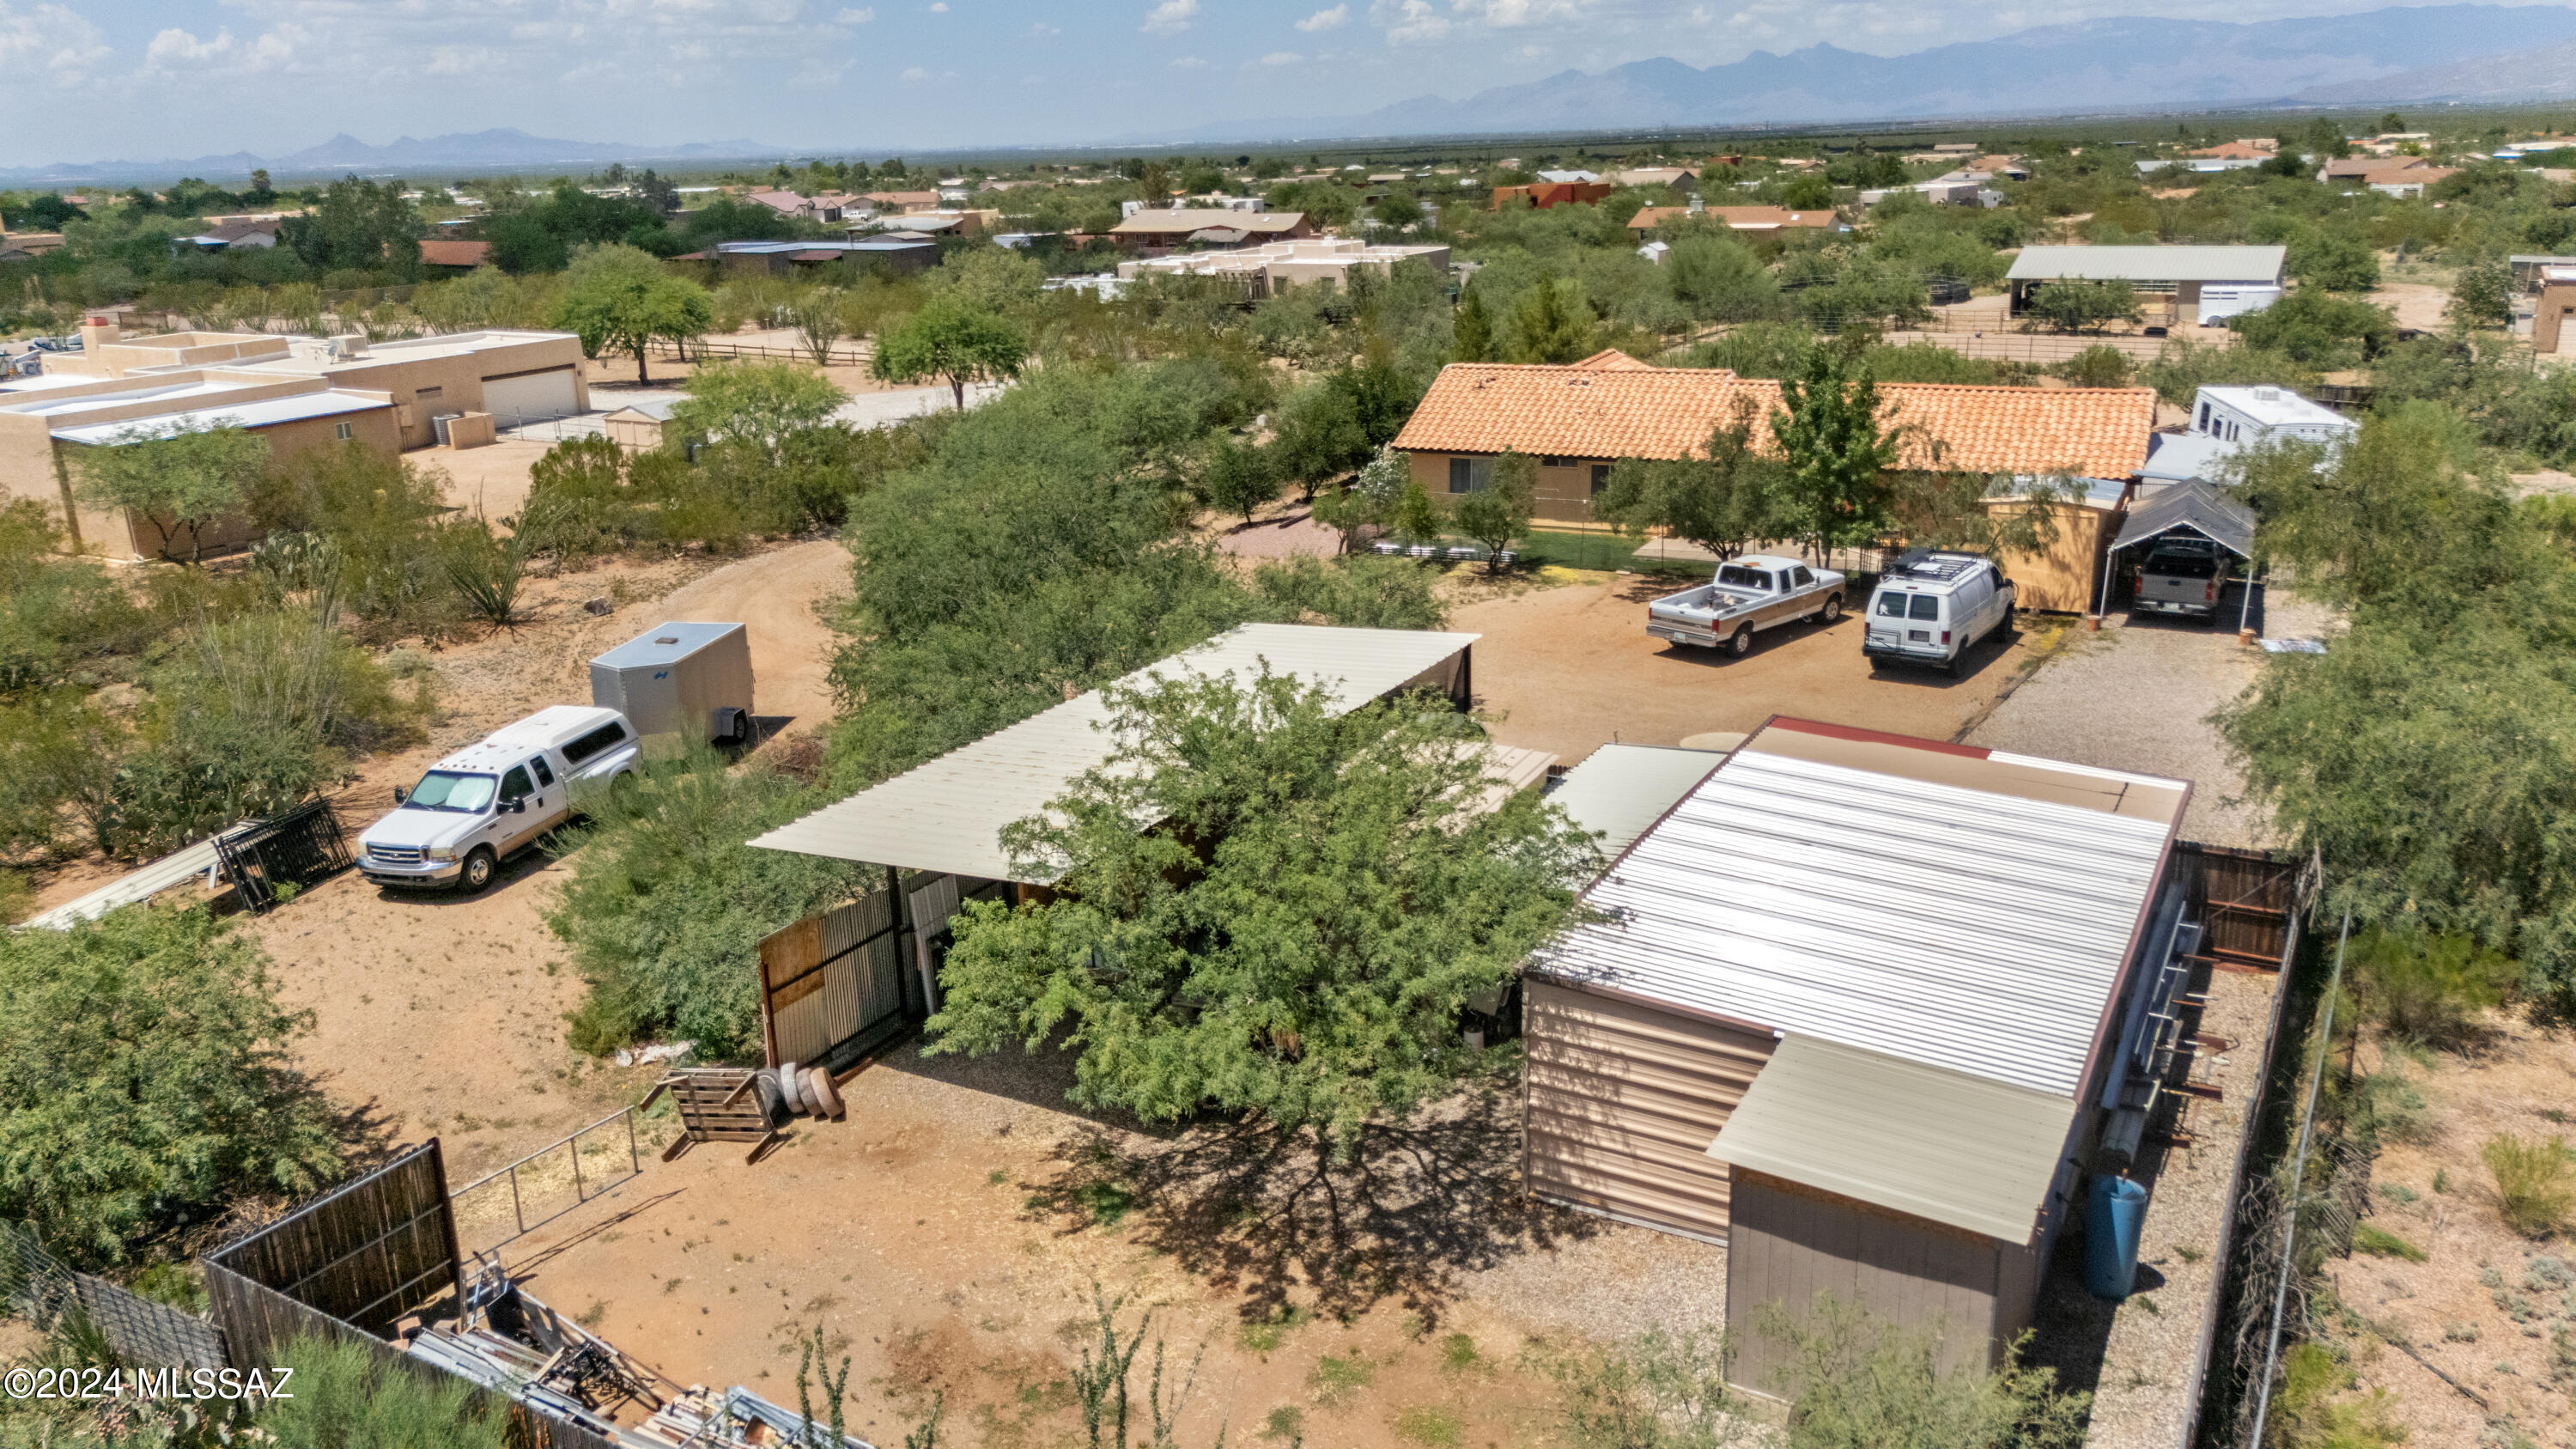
2138,696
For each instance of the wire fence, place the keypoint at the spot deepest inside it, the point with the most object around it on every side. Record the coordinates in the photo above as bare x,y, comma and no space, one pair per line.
696,349
37,1286
549,1182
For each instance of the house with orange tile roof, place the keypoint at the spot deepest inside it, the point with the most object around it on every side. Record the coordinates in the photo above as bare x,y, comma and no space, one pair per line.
1581,418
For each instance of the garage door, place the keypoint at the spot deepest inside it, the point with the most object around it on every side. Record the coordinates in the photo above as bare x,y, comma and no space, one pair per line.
529,397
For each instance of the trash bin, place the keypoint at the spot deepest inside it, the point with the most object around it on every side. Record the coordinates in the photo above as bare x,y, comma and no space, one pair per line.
2112,1220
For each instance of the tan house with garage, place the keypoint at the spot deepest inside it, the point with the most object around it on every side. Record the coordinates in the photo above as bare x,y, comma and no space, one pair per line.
1857,1006
297,390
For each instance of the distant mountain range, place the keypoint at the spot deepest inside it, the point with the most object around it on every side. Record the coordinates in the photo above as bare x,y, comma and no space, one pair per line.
2091,67
2541,73
2419,54
503,149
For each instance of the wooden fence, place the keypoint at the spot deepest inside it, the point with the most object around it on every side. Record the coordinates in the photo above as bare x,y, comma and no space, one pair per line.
261,1322
365,1254
2247,901
41,1289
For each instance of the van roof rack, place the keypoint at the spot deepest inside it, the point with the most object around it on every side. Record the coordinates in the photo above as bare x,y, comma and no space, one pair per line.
1930,563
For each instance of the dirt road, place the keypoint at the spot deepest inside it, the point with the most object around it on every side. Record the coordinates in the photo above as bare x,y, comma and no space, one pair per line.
434,1013
777,595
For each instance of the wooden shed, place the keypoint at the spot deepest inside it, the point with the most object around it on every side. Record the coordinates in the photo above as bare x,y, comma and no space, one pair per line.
1914,1192
1883,977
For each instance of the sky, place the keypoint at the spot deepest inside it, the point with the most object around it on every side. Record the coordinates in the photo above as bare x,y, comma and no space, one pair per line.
95,80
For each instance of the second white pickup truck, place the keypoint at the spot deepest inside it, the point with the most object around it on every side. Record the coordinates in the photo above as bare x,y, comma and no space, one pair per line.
1751,593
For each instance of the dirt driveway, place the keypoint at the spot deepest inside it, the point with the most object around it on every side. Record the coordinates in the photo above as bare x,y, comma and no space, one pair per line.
434,1013
1572,668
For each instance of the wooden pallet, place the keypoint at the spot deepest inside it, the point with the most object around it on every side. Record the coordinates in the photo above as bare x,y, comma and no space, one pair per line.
716,1105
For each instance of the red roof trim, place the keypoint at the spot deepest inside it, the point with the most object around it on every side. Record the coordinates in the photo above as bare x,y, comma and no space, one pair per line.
1873,737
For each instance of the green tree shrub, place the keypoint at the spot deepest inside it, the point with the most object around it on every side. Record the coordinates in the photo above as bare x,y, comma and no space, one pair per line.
1499,512
348,1396
1297,938
667,901
1721,497
619,298
185,480
144,1082
1862,1383
954,340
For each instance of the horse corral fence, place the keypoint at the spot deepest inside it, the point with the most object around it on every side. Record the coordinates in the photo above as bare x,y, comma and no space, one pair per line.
38,1287
549,1182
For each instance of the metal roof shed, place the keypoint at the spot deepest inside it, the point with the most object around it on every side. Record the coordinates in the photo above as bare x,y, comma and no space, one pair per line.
947,816
1845,1161
1950,909
2196,506
1620,791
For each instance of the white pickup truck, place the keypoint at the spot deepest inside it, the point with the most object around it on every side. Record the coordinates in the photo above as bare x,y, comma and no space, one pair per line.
491,800
1751,593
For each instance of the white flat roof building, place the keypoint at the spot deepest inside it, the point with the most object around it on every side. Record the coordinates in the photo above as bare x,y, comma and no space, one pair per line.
947,816
1272,266
2149,264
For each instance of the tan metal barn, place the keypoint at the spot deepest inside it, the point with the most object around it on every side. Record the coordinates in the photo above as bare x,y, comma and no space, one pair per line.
1925,948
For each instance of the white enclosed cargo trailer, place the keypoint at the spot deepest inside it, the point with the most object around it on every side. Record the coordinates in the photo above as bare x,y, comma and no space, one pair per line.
682,684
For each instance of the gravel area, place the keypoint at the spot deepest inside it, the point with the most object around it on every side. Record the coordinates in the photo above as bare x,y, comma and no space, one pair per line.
2138,1357
2138,695
1290,531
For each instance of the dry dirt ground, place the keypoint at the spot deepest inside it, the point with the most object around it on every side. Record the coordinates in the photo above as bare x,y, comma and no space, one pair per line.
2474,1308
1566,662
2418,305
439,1014
950,1230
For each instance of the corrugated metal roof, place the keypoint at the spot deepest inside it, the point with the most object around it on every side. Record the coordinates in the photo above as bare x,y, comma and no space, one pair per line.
1619,790
1950,1146
948,815
1951,906
2189,455
2197,506
267,412
2148,264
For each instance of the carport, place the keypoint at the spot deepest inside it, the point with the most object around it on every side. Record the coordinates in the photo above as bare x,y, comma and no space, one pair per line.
2193,506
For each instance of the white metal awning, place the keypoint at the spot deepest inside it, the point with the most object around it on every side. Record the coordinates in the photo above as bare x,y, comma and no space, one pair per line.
948,815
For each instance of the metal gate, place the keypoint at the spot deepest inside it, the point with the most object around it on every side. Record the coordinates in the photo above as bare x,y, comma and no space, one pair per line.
300,847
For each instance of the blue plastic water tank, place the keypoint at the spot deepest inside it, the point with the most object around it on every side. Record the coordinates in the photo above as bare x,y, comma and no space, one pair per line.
2112,1220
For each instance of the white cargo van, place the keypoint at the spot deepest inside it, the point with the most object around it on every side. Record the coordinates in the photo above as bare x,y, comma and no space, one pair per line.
1931,606
490,800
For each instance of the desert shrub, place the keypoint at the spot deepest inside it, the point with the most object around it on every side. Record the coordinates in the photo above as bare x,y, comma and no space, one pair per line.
144,1085
59,617
2423,986
349,1396
2100,365
2183,367
368,525
1929,362
1363,591
2535,1181
486,571
246,717
666,902
1857,1382
2380,1243
1659,1390
2307,1414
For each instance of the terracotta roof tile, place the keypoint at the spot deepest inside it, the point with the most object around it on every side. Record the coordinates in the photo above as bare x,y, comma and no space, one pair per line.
1585,411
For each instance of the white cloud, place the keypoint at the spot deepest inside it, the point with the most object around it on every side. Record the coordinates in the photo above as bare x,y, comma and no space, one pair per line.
1512,14
1409,22
179,50
1039,30
464,60
1281,57
913,73
1189,62
864,16
1171,17
49,44
941,8
1323,20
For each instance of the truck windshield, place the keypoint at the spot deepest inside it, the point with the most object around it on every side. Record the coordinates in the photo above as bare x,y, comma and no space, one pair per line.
1738,576
447,790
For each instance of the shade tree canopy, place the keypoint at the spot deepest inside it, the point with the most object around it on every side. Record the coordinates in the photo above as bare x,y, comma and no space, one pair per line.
1323,894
